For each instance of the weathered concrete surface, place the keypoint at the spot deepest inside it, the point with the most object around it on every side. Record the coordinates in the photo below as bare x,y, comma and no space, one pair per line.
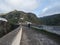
52,29
32,37
12,38
17,39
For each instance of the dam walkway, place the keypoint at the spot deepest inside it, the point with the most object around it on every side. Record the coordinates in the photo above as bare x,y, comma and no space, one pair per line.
33,37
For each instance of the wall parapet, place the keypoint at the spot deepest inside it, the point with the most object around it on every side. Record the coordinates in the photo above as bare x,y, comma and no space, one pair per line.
12,38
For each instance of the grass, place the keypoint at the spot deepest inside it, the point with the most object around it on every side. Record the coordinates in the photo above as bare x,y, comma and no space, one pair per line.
52,36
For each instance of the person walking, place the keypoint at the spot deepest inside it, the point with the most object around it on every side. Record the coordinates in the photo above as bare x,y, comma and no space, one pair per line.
29,25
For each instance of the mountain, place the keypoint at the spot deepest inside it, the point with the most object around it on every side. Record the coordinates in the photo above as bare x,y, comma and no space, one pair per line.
13,17
51,20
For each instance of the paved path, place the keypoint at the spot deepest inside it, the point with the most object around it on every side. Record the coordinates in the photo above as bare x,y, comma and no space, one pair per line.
32,37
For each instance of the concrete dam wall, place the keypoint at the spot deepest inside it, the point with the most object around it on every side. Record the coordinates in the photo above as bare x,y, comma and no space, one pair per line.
12,38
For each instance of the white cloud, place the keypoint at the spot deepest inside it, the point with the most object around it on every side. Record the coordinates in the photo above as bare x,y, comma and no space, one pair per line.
52,9
48,8
4,8
25,5
45,9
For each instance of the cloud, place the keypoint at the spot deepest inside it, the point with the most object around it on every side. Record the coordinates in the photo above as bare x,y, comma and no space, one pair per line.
45,9
39,7
4,8
52,9
24,5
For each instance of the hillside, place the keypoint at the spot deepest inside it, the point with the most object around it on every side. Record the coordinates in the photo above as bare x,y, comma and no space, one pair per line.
51,20
14,17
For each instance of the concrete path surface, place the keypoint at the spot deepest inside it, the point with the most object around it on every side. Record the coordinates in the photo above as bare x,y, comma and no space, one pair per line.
33,37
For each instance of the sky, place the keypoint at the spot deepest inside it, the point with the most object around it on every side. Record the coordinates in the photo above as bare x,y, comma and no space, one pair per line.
39,7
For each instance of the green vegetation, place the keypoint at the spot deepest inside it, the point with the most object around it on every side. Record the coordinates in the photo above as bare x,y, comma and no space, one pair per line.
51,20
14,19
31,18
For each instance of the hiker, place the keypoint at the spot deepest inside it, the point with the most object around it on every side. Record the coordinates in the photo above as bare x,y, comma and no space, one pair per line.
29,25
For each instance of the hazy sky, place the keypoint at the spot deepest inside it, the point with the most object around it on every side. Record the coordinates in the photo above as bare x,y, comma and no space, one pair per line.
39,7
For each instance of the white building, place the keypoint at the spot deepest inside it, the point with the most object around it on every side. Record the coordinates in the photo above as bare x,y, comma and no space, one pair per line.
3,19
